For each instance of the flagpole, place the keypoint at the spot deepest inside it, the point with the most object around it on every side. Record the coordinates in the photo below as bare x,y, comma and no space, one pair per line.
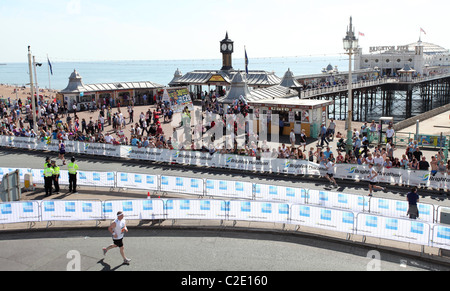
33,102
48,68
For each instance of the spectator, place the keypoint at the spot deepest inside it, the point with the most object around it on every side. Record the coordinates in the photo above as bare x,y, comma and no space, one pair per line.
390,134
423,164
412,198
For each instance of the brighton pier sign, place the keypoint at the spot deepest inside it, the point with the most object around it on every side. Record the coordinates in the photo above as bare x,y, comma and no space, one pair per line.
400,48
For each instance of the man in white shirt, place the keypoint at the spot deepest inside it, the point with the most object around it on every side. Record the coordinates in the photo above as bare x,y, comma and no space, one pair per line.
108,138
378,161
373,180
389,134
292,137
118,228
330,172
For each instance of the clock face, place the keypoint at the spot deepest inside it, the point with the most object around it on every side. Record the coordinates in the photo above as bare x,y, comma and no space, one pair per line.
224,47
230,47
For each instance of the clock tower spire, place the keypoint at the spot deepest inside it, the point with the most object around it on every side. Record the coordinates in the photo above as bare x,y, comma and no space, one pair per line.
227,49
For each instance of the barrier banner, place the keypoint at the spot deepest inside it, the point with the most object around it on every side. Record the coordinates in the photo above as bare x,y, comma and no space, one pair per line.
191,158
16,212
99,179
297,167
196,209
405,230
59,210
38,176
361,172
134,209
438,181
232,189
259,211
325,218
441,236
137,181
182,185
343,201
397,208
280,193
243,163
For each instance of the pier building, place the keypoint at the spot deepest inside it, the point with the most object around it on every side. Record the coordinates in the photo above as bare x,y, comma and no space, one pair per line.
86,95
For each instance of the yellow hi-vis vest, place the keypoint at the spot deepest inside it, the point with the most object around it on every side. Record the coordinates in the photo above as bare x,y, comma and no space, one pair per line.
72,168
48,172
56,170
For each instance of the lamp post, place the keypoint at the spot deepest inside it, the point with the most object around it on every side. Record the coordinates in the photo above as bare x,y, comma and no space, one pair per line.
350,43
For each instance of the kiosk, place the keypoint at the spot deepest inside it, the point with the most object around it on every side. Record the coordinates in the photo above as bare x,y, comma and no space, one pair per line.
297,114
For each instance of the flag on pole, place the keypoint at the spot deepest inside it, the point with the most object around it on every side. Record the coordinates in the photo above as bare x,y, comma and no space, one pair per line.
246,62
50,66
361,34
421,30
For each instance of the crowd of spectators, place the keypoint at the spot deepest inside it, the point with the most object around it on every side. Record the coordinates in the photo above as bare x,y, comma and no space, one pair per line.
145,130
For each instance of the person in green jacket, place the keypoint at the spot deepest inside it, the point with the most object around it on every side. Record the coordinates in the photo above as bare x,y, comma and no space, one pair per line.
56,174
48,178
73,169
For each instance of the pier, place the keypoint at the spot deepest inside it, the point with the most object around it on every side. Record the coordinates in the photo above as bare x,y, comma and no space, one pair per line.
385,97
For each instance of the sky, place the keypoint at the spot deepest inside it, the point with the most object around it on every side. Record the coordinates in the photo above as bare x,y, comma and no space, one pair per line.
103,30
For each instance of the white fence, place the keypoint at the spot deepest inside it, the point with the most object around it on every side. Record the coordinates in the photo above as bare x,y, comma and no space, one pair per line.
244,163
243,201
392,228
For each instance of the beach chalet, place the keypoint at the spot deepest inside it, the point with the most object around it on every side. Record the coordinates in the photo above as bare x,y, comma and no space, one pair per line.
86,96
222,78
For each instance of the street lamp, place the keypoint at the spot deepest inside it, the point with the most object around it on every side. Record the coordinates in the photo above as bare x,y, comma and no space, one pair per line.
350,43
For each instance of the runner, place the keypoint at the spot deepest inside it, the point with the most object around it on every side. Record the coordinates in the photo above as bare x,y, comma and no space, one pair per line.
118,228
330,172
62,151
373,180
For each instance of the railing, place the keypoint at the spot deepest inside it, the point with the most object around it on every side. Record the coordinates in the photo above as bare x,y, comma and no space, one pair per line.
309,93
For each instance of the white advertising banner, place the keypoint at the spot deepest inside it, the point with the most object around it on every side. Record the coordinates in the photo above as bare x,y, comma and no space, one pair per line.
196,209
245,163
397,208
342,201
137,181
232,189
16,212
182,185
58,210
259,211
406,230
441,236
331,219
280,193
149,209
99,179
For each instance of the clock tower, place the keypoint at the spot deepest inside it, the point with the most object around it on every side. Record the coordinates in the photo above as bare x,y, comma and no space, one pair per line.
227,49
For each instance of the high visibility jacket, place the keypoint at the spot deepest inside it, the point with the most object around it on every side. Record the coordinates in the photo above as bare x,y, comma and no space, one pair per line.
56,170
72,168
48,172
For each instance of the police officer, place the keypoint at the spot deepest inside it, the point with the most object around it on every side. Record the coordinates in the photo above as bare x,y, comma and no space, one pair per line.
56,174
48,178
73,168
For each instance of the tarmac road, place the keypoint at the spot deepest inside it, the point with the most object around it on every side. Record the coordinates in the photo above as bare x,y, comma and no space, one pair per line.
191,250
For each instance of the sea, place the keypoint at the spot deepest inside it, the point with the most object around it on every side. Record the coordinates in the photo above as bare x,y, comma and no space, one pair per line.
157,71
162,72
